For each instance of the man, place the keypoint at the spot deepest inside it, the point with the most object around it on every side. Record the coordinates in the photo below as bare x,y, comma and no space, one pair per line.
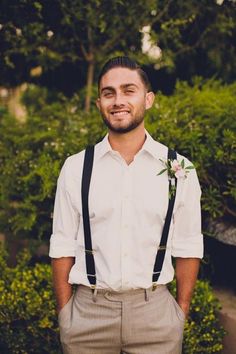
119,307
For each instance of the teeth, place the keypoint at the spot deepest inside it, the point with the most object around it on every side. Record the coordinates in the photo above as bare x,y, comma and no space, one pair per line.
120,113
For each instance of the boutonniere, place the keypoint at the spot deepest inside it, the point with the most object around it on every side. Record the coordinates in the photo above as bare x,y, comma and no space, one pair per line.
175,169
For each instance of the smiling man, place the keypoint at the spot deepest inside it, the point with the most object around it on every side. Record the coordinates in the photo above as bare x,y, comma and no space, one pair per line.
116,228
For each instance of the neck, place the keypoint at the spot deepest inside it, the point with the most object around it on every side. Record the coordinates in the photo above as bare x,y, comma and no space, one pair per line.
128,144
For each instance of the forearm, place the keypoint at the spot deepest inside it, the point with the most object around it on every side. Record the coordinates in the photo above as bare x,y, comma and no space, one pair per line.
60,273
186,276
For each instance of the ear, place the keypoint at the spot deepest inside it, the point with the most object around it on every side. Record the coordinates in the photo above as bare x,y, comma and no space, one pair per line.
150,97
98,103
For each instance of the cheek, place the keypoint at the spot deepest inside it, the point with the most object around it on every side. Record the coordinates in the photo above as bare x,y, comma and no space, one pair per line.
139,103
103,107
106,105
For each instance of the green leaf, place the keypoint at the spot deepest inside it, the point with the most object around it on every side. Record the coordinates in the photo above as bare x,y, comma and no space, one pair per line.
162,171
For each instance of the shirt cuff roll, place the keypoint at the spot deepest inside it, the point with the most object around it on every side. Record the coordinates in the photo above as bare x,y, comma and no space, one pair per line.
191,249
61,247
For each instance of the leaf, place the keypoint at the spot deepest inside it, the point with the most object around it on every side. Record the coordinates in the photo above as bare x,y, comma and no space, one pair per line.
162,171
190,168
163,161
182,163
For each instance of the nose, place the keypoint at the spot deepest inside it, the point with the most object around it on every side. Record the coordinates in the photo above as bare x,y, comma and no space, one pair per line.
119,100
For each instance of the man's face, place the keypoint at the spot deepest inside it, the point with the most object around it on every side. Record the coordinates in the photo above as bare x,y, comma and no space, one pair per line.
123,99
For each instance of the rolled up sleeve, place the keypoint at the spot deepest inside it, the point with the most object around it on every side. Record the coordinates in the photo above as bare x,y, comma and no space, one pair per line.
187,238
65,221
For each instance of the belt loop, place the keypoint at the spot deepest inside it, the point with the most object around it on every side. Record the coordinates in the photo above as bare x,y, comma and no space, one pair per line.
94,296
146,295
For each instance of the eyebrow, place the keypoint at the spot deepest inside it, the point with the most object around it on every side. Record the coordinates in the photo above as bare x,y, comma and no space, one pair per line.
124,86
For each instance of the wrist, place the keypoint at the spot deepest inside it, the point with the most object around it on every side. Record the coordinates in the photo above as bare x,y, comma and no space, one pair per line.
185,306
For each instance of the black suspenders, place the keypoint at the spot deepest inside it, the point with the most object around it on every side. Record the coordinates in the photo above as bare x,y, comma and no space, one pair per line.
161,252
86,178
89,257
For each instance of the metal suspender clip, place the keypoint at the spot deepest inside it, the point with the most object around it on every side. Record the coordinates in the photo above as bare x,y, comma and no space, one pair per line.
154,286
89,251
162,248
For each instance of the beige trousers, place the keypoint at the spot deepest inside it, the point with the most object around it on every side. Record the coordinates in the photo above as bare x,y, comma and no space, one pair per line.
134,322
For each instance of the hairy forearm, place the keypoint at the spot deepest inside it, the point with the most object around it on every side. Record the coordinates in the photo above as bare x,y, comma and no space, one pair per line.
60,273
186,276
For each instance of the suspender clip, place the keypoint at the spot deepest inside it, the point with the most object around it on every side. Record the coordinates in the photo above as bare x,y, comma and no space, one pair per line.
161,248
154,286
94,290
89,251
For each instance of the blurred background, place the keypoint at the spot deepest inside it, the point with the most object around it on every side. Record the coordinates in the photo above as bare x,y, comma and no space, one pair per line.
50,56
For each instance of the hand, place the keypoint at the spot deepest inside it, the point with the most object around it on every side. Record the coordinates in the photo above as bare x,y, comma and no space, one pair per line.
62,303
185,308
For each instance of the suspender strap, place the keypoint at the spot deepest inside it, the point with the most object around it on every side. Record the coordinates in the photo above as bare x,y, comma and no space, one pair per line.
89,258
86,178
160,256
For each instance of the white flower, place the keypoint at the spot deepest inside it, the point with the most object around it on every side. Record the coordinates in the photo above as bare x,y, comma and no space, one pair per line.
180,173
175,169
178,169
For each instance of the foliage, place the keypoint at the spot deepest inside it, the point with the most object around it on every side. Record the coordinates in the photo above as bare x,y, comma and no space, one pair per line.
73,32
27,308
197,38
199,122
31,156
28,318
202,333
47,34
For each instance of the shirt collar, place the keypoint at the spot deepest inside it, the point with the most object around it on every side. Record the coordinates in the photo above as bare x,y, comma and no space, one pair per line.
153,147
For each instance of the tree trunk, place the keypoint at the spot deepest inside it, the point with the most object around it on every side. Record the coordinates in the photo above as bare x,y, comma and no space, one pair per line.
90,75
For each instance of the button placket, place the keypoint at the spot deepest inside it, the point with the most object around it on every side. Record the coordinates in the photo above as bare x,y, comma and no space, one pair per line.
125,223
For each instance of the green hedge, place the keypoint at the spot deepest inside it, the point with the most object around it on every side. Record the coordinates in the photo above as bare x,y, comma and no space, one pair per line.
31,155
198,121
28,321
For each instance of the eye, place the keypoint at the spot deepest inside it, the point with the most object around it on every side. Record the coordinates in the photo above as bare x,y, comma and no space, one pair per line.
107,94
129,91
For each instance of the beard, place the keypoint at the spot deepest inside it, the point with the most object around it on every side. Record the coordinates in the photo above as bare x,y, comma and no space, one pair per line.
124,128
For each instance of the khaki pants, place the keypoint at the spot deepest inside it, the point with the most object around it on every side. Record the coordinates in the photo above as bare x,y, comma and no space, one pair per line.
134,322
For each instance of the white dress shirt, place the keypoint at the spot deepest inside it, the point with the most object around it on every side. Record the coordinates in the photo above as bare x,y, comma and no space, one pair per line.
127,207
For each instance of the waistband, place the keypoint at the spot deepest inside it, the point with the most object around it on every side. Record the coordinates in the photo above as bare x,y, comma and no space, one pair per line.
119,295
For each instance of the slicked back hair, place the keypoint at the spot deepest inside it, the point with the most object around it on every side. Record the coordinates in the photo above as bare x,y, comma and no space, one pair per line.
124,62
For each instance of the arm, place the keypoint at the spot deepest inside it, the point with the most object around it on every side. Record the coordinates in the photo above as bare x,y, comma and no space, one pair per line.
186,276
63,239
187,241
60,273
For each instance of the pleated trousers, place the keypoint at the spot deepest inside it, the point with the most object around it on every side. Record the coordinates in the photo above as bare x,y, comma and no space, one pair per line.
139,321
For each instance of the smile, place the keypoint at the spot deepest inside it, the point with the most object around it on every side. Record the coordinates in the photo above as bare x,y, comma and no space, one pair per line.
120,113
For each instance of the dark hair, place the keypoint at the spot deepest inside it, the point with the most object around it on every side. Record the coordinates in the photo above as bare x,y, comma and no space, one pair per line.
124,62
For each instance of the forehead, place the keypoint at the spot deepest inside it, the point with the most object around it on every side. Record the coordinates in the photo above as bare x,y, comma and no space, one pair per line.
117,77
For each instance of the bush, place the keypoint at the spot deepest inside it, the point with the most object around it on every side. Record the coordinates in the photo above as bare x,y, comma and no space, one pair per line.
202,333
198,121
28,322
31,155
